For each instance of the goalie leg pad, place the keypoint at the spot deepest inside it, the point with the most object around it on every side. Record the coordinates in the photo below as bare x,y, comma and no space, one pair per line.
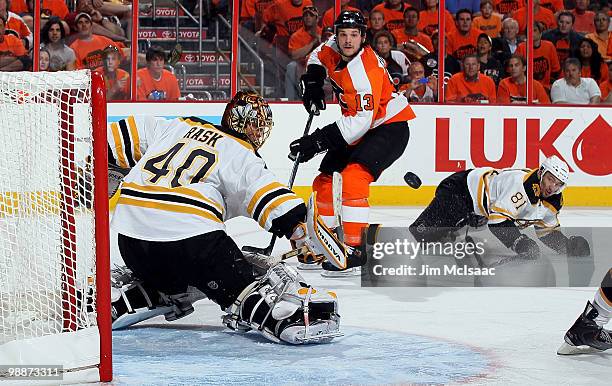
282,307
321,239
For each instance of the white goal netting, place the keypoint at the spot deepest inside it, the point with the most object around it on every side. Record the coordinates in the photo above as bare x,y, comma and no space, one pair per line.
47,229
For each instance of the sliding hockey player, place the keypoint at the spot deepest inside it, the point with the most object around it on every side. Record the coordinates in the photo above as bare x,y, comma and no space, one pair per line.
186,178
588,334
507,200
371,134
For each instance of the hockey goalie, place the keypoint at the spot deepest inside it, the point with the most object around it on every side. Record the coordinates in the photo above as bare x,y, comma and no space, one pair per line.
183,179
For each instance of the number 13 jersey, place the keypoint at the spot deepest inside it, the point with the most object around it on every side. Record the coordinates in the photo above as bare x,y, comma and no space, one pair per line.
363,88
188,177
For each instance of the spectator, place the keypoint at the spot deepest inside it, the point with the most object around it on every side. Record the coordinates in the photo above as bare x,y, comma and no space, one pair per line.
430,62
88,47
101,25
154,82
44,58
553,5
428,19
541,14
601,36
470,86
377,24
513,89
395,61
506,7
421,89
590,59
117,80
394,13
48,8
563,37
301,43
283,18
13,55
583,18
462,42
329,16
52,38
488,22
410,41
505,46
546,65
489,66
454,6
15,22
574,89
606,87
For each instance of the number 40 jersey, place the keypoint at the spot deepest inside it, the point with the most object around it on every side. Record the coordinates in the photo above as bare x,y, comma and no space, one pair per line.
188,177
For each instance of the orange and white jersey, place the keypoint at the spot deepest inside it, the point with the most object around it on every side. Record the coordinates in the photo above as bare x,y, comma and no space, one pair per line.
513,194
364,90
187,178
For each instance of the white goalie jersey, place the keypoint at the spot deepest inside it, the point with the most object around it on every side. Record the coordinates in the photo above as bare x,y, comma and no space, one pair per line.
513,194
188,177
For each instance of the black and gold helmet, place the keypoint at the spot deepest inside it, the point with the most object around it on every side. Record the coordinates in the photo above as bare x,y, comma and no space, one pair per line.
250,115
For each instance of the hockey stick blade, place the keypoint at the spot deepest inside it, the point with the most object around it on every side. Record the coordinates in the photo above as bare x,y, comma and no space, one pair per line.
261,251
412,180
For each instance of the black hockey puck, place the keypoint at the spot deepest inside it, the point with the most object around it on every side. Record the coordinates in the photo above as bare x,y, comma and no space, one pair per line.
412,180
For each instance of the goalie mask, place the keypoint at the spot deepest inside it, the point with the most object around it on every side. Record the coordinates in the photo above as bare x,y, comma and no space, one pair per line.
250,115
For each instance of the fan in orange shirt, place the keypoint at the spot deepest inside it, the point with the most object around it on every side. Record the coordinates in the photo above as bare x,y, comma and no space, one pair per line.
117,80
13,55
15,23
285,16
553,5
546,66
88,47
606,87
470,86
463,41
540,14
394,13
488,22
593,65
602,36
330,15
513,89
428,19
506,7
154,82
409,40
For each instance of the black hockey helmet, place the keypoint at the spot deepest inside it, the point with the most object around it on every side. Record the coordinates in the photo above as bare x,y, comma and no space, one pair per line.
350,19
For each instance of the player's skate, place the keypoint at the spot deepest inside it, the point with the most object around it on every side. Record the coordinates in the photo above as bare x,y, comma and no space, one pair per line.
586,336
355,259
282,307
133,302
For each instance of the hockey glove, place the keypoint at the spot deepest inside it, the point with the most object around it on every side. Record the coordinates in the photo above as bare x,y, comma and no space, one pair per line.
577,246
308,146
311,86
526,247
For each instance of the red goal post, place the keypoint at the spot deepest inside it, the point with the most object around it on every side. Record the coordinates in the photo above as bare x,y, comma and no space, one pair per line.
54,228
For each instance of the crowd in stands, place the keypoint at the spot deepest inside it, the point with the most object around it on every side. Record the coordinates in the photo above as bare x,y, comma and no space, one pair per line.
485,45
83,34
484,56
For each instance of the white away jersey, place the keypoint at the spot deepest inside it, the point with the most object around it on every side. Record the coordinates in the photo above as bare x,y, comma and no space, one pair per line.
187,177
513,194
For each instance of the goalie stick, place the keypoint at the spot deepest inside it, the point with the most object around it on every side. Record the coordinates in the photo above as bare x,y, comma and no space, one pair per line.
268,250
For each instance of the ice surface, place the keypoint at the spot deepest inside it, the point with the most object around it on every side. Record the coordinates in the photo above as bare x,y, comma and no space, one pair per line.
492,336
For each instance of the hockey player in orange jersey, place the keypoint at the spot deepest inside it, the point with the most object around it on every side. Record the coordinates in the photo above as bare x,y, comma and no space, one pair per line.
371,134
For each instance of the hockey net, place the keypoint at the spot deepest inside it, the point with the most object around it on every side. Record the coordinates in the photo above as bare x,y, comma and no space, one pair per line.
54,308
